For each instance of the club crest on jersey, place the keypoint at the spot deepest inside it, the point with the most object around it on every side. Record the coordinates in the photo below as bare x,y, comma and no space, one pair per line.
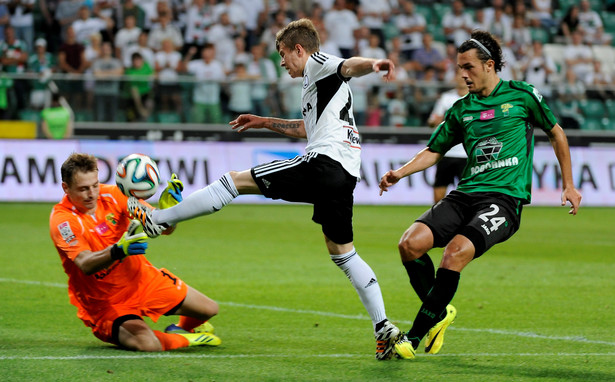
111,219
306,81
506,109
66,232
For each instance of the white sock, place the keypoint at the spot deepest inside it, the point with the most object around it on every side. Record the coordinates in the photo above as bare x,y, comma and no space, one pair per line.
202,202
365,283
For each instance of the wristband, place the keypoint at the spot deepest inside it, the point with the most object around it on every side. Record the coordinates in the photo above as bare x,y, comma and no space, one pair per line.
117,253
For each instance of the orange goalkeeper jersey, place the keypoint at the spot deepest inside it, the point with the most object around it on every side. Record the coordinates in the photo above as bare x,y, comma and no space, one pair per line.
73,232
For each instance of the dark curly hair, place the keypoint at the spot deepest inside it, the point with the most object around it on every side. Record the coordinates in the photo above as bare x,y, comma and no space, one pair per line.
487,48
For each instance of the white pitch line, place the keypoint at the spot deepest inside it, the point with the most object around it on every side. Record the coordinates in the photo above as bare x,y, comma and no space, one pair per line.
577,339
294,356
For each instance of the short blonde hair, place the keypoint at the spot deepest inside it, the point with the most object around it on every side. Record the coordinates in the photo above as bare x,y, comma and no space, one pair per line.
302,32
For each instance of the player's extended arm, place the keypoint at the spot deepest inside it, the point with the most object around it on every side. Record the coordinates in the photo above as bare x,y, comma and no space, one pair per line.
360,66
130,244
294,128
422,160
562,152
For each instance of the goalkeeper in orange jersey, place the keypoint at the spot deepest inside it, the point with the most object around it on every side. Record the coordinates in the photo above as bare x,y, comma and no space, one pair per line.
110,281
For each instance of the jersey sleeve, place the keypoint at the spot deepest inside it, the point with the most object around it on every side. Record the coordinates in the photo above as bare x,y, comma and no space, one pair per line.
447,134
321,65
539,113
67,233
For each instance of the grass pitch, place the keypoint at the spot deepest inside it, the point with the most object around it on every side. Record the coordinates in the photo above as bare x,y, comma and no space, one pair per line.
537,307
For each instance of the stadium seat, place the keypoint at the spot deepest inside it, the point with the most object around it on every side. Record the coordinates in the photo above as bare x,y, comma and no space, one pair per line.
84,115
30,115
593,108
565,4
540,34
424,10
608,19
167,117
593,124
608,123
556,52
606,55
610,108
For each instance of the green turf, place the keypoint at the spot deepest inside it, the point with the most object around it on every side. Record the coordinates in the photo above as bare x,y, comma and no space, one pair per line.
539,307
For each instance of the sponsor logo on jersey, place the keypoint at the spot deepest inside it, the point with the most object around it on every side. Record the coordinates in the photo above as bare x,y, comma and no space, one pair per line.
506,109
66,232
102,228
486,154
352,137
487,114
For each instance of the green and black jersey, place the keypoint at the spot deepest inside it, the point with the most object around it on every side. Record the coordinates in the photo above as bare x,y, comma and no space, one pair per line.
497,134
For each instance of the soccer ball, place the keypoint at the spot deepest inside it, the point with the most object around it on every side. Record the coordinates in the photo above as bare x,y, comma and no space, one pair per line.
137,175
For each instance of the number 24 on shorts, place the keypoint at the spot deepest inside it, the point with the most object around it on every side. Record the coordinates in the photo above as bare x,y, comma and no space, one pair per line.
496,221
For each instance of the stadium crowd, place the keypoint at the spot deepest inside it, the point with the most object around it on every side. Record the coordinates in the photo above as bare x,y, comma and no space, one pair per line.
205,61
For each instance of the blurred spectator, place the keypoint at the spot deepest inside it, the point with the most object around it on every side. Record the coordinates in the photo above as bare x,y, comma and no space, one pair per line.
66,13
579,57
13,57
479,20
457,23
88,24
450,63
263,91
199,18
106,8
317,15
542,12
361,89
139,89
127,35
374,113
241,55
93,50
22,19
71,59
427,56
290,96
209,73
327,45
511,69
374,14
268,38
501,26
167,63
240,90
449,169
521,37
42,63
325,4
237,14
397,108
254,11
57,120
341,23
163,30
568,25
5,18
373,48
411,25
600,82
282,6
150,11
142,48
489,12
426,93
222,35
570,94
591,25
107,70
129,8
538,68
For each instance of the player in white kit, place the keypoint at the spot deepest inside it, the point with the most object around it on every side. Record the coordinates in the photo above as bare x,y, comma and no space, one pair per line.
325,176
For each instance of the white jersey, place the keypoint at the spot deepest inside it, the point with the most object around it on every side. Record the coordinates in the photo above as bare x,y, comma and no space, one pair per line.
326,102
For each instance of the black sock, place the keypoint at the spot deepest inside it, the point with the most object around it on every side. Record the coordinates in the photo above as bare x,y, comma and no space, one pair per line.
422,274
433,309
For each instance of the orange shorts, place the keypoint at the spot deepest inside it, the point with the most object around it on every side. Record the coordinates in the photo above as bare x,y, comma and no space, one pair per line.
161,295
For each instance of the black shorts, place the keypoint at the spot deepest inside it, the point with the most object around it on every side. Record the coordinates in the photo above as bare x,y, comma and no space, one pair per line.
316,179
447,170
486,218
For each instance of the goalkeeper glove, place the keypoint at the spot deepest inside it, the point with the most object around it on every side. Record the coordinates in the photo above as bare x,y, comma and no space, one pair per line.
171,195
130,243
